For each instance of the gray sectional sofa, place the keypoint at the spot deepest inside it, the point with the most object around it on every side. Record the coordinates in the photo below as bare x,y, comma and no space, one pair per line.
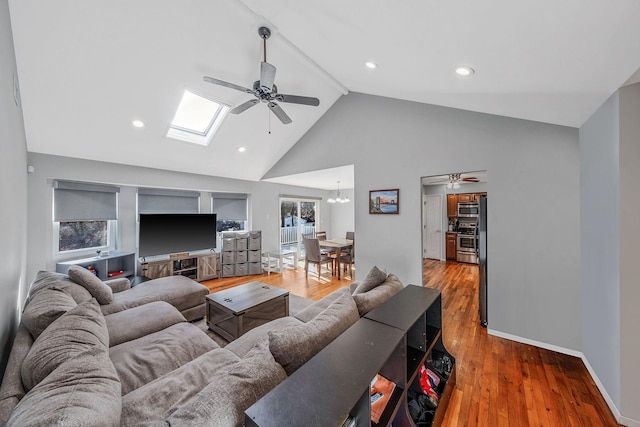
86,355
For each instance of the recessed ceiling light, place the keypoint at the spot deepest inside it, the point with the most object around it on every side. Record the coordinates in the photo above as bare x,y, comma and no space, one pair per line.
464,71
137,123
371,65
242,149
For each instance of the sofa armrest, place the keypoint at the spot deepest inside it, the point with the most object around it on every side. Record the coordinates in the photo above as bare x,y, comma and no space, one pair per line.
118,285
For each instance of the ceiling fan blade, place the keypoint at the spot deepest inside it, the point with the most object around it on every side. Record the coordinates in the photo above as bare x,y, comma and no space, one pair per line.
294,99
229,85
279,112
267,76
470,179
244,106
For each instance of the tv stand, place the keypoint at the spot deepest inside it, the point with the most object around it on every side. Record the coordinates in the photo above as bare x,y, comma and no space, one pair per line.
116,264
197,267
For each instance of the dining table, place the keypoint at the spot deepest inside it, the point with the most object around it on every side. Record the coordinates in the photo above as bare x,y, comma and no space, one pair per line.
337,244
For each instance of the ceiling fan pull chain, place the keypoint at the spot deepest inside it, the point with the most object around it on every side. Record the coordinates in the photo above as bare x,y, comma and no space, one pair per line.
269,118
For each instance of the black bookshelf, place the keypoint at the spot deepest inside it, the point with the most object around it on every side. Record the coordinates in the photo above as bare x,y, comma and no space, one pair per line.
393,340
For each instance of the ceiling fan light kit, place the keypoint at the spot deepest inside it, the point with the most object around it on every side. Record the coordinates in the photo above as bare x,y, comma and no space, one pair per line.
265,90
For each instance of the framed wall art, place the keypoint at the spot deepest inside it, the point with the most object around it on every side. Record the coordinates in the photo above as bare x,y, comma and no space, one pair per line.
384,201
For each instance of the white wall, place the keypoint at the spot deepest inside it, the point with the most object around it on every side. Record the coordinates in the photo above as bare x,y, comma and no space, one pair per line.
600,241
264,207
13,189
629,238
534,251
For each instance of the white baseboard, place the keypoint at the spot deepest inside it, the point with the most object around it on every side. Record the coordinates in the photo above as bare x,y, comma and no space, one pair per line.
535,343
616,413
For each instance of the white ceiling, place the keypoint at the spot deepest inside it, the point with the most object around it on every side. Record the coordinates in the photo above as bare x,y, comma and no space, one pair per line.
88,68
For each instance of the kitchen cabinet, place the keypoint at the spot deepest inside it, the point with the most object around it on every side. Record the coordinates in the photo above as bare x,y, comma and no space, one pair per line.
452,205
468,197
451,246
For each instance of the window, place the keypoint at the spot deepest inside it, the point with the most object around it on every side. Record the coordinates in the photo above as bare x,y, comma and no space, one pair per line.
160,200
84,216
231,211
76,235
197,119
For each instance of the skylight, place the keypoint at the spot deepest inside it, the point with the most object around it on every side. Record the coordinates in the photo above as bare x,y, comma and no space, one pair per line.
197,119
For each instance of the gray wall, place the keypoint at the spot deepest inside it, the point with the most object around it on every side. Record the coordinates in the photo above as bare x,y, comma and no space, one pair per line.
533,219
13,190
629,238
264,212
600,241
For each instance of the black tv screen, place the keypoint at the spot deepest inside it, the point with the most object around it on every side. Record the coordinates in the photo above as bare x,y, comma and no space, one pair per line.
162,234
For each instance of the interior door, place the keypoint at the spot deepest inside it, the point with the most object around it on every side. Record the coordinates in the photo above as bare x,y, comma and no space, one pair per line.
432,226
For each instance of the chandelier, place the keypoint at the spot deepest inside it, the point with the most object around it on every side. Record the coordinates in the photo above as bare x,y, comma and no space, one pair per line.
340,198
454,181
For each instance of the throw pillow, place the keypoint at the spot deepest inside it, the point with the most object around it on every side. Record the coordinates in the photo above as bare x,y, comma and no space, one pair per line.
79,330
223,401
374,278
44,308
293,346
99,290
376,296
82,391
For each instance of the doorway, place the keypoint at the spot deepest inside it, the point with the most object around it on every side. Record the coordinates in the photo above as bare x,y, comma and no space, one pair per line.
297,217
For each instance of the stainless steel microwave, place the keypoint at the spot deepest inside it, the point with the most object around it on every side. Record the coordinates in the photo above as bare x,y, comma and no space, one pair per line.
468,209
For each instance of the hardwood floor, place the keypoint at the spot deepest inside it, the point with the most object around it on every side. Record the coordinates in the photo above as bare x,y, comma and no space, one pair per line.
499,382
292,280
502,382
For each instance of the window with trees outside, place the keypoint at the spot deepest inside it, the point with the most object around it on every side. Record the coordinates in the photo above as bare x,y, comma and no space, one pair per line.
84,216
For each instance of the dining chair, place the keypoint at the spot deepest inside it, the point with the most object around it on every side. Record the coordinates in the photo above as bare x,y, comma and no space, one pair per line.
349,236
322,235
348,257
313,255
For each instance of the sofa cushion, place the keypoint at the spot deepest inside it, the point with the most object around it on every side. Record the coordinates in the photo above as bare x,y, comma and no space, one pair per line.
48,279
375,277
318,306
179,291
293,346
12,389
142,360
139,321
75,332
376,296
81,391
44,308
223,401
98,289
155,401
260,334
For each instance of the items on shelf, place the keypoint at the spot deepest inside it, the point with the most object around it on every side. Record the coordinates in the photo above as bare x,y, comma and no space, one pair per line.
115,273
92,270
381,391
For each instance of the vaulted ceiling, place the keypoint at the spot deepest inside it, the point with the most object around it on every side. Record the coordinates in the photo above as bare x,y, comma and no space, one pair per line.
88,68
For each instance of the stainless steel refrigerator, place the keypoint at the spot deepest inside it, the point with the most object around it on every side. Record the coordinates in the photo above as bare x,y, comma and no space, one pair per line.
481,229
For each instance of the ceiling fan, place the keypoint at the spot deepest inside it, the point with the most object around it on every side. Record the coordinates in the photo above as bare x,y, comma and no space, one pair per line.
264,89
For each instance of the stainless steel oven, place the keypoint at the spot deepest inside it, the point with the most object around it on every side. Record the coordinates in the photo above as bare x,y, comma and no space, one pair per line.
468,209
467,248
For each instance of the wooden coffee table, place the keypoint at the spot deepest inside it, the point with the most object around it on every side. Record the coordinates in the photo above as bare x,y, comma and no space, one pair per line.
234,311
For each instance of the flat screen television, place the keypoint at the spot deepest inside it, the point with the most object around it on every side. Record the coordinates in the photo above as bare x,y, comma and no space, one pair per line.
162,234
